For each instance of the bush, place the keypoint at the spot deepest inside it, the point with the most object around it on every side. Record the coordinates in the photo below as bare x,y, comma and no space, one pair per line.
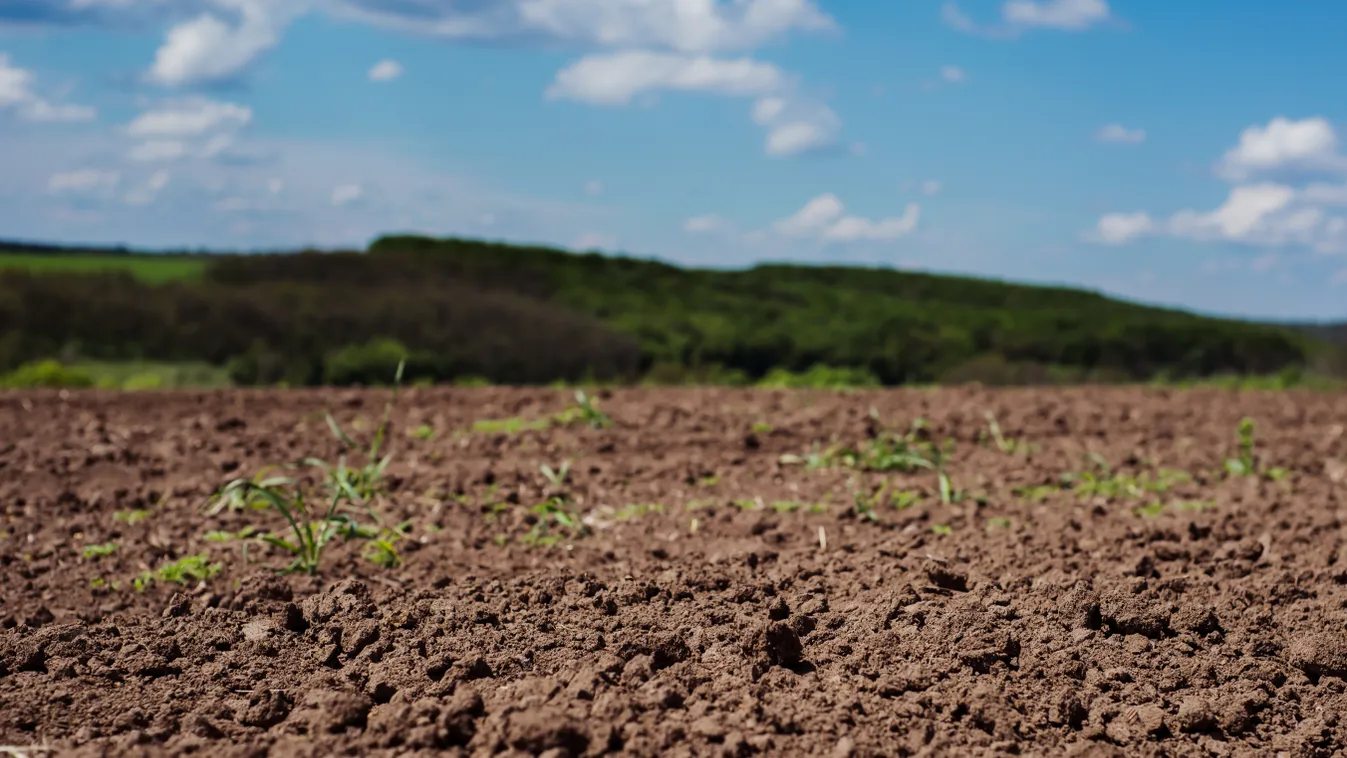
821,377
48,373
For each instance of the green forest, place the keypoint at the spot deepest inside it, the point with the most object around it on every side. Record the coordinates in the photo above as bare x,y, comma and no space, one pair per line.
466,310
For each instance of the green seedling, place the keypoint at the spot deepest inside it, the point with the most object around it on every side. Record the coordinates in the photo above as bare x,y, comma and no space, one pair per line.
223,536
346,492
192,568
1246,463
131,518
556,478
999,522
636,510
1003,443
423,432
585,410
1194,506
1110,485
904,499
94,552
512,425
761,427
556,520
944,530
1150,510
866,505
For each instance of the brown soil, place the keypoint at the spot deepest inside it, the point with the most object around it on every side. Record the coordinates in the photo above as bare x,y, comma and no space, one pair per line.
723,603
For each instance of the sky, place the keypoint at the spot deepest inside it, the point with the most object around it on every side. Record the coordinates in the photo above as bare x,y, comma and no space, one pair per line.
1189,154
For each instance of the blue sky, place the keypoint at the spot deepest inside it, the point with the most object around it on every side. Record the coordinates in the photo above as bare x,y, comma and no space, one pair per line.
1183,153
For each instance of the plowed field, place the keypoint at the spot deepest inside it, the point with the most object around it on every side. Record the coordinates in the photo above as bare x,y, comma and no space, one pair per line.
721,572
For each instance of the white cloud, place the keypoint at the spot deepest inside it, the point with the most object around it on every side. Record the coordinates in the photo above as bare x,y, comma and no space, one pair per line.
207,49
83,180
707,224
16,92
767,109
1340,278
796,126
1269,214
275,185
149,192
953,74
1325,194
1263,215
385,71
191,117
345,194
615,78
824,218
1018,16
158,150
1055,14
593,187
930,187
1117,228
686,26
1306,145
1120,133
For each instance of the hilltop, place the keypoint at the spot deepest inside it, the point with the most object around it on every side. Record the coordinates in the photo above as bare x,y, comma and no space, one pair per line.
522,314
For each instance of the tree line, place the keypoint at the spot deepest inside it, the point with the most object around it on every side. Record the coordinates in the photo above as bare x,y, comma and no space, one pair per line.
519,314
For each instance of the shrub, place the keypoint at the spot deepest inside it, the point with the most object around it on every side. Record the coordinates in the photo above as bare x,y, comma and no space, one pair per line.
48,373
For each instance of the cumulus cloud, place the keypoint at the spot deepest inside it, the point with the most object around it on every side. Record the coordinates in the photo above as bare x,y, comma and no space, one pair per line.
1262,213
189,127
16,93
700,26
824,218
1120,133
953,74
83,180
706,224
796,126
615,78
1282,144
794,123
209,48
1018,16
385,71
345,194
1117,228
191,117
930,187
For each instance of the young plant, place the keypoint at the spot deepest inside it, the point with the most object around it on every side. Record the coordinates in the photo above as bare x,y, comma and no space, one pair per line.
192,568
585,410
347,492
1246,463
94,552
1003,443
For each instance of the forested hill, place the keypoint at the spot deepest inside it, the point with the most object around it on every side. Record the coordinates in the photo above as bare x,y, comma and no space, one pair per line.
528,314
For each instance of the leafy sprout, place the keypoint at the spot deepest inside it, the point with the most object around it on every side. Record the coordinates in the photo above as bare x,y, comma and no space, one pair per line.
192,568
347,494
